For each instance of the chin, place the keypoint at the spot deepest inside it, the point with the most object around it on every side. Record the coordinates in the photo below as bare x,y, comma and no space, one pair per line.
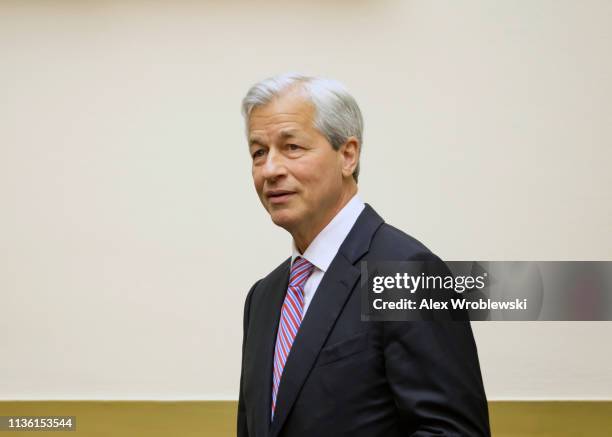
282,218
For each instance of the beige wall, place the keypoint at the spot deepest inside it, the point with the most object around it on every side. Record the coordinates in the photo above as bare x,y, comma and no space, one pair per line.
129,230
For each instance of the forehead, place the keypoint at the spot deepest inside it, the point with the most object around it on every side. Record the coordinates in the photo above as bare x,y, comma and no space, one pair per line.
291,109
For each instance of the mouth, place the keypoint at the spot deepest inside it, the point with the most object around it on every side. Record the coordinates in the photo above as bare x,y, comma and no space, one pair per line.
276,197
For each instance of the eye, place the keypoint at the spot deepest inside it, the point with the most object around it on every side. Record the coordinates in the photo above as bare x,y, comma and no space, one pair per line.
258,153
293,147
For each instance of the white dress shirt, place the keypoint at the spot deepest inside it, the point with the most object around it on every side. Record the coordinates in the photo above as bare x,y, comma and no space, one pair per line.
325,246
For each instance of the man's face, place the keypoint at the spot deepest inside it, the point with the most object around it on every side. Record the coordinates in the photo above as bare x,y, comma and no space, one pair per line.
297,173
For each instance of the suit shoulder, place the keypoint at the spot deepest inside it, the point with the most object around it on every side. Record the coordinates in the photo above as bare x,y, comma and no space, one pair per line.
394,243
280,270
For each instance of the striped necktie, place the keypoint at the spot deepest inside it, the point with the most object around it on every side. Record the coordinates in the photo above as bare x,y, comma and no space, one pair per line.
290,320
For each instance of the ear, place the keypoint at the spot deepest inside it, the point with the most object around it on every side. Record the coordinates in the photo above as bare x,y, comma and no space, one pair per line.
349,155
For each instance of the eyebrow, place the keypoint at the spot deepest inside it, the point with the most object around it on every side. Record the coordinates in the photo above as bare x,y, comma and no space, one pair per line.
288,133
283,134
255,140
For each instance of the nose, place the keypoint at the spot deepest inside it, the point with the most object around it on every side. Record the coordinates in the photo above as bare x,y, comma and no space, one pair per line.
274,167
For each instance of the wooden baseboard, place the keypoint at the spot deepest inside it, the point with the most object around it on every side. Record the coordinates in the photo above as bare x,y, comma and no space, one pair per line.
550,418
218,418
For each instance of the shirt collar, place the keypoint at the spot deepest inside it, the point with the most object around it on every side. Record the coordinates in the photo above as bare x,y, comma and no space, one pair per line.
326,244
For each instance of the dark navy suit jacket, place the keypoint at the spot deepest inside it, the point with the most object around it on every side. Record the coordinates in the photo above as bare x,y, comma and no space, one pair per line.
345,377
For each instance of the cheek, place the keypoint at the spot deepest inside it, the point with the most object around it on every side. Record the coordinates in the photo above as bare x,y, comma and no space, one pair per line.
326,176
316,176
307,181
257,180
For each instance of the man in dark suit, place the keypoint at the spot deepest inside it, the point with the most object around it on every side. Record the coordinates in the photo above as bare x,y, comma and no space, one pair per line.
310,365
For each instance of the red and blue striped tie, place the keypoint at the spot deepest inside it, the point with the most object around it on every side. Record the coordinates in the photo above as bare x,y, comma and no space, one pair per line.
290,320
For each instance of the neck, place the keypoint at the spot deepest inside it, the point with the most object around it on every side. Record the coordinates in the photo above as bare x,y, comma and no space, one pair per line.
305,235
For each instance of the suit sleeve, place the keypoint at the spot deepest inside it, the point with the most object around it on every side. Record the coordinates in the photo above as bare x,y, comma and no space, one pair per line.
433,371
242,428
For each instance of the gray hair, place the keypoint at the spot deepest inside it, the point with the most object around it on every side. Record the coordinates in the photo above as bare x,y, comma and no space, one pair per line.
337,115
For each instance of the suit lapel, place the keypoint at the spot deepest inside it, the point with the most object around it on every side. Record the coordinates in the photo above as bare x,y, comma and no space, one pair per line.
327,304
275,287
